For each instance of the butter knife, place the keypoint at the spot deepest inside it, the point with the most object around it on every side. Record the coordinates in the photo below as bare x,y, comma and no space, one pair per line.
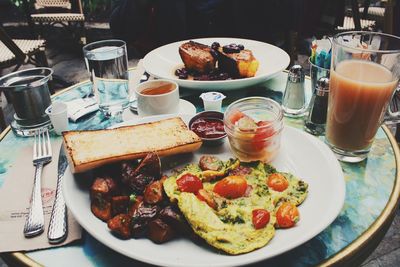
58,221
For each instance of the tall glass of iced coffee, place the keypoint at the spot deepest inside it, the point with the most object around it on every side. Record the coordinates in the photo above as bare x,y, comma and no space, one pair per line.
365,71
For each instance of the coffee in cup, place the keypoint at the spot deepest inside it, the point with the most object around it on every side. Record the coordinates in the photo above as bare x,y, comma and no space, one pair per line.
157,97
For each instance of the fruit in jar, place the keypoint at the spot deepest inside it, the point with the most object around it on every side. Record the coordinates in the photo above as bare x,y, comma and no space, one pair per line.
251,139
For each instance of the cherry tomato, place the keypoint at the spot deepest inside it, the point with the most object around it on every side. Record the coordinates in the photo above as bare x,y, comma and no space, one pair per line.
287,215
263,133
236,115
277,182
260,218
231,187
205,196
189,183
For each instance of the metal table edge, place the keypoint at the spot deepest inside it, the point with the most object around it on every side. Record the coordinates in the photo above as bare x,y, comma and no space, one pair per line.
379,227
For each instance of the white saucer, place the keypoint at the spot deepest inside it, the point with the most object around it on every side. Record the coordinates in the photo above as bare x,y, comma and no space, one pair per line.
185,107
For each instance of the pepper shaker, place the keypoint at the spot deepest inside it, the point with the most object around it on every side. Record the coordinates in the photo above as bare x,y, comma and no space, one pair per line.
316,119
294,99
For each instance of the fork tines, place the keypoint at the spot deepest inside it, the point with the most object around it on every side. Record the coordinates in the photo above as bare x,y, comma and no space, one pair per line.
41,144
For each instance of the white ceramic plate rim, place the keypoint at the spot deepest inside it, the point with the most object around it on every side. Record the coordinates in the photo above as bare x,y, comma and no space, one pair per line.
294,236
281,61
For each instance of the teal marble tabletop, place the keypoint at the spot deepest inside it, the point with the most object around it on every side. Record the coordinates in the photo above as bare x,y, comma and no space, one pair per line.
371,191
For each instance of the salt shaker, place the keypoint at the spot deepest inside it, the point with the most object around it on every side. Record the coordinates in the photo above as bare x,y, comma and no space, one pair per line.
316,119
294,98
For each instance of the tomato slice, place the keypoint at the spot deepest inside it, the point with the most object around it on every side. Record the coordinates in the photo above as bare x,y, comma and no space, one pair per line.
277,182
231,187
287,215
189,183
262,133
260,218
236,115
205,196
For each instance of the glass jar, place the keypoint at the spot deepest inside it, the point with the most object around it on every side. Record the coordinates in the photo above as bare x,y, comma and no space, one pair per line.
254,127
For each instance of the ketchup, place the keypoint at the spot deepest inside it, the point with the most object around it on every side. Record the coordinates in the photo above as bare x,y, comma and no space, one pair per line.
208,127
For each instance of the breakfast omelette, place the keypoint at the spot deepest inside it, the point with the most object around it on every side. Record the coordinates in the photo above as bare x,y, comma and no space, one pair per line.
236,206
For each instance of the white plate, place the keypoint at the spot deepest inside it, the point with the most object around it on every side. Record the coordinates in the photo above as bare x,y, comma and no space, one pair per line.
163,61
302,154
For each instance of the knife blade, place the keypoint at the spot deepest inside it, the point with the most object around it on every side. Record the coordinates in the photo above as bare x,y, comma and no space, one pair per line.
58,221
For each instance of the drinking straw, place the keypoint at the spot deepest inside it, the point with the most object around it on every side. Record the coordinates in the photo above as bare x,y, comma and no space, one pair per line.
313,50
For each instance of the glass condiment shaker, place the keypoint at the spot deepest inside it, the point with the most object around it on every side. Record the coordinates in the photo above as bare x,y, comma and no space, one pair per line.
294,99
317,109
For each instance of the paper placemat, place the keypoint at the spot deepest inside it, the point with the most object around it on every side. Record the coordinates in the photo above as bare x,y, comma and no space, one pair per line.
15,195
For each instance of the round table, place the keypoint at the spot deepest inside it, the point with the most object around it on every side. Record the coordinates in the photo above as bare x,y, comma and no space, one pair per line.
372,196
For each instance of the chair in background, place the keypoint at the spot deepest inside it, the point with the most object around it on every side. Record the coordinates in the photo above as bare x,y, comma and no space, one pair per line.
381,12
16,52
353,21
67,13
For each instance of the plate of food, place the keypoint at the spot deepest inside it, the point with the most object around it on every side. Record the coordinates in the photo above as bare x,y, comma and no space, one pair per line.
195,205
216,63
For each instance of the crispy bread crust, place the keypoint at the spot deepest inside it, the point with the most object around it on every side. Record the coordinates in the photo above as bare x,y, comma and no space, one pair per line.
90,149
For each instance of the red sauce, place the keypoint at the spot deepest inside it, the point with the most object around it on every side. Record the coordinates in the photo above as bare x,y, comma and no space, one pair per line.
208,127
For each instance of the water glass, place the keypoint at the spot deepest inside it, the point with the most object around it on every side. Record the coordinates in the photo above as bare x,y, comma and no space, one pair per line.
316,73
364,73
107,63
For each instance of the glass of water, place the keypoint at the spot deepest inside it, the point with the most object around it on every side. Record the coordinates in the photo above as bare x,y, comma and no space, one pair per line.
107,63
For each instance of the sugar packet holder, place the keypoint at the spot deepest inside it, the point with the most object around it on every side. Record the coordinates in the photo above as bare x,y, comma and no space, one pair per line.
80,107
321,52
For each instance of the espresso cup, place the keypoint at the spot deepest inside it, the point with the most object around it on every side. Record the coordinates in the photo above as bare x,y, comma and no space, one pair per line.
157,97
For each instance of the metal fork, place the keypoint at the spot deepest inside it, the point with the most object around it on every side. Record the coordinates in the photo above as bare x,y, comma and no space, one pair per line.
34,224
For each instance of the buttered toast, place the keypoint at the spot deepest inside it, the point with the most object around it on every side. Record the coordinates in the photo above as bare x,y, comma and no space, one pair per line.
89,149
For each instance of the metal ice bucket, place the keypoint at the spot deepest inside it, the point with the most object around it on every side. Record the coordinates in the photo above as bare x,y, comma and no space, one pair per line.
30,95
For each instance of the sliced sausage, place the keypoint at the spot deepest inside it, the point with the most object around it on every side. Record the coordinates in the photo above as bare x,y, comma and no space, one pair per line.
210,163
240,170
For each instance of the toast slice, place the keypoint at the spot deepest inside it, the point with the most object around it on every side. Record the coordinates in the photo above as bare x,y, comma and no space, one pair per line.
90,149
238,65
197,57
